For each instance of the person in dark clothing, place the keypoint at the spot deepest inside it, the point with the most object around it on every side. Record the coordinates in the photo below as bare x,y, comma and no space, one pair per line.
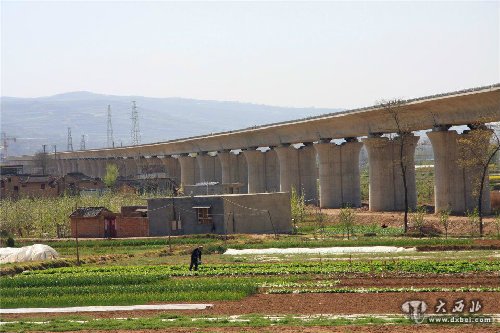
195,258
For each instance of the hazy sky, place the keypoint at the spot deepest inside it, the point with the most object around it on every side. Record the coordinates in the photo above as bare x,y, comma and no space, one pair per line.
325,54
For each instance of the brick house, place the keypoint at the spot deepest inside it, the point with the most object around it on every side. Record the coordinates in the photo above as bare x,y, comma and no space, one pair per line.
76,182
99,222
30,186
132,222
94,222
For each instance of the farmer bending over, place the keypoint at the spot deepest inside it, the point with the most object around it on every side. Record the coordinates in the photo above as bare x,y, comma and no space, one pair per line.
196,258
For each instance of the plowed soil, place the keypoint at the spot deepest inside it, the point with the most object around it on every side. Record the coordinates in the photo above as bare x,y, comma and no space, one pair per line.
323,329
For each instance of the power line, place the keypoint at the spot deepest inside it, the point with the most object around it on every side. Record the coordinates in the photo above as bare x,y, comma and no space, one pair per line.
111,141
70,140
135,134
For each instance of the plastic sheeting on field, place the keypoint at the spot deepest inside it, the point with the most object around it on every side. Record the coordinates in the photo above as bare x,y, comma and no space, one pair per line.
322,250
36,252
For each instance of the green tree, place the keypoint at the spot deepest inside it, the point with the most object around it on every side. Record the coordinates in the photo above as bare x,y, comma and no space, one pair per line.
298,206
111,175
347,219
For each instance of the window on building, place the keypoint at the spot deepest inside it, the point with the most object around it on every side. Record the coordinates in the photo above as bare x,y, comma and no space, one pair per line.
42,186
2,184
204,216
16,188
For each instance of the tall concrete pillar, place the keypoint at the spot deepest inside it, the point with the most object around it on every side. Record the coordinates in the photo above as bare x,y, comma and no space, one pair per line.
308,172
101,167
225,163
64,166
256,170
209,167
59,165
241,172
188,169
386,181
172,168
83,166
130,167
289,168
452,180
339,179
272,171
155,164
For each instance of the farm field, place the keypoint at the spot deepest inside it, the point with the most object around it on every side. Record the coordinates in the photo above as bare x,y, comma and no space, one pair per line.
304,293
315,292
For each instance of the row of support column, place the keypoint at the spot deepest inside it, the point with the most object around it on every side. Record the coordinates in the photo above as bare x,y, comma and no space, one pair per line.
323,172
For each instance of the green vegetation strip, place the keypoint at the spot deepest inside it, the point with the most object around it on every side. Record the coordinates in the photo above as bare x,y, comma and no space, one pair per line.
163,322
126,285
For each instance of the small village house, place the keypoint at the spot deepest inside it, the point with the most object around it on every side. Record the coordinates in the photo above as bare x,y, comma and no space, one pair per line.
220,214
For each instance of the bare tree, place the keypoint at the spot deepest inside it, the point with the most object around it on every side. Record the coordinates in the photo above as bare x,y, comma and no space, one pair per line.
393,107
477,151
41,161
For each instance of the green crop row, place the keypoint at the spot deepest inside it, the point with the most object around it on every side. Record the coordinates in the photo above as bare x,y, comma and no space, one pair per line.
85,275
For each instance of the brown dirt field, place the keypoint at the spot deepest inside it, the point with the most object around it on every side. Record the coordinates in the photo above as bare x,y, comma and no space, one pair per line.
458,224
351,303
323,329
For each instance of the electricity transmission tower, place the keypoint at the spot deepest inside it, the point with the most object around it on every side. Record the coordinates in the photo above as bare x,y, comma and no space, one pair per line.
111,141
70,140
82,142
135,134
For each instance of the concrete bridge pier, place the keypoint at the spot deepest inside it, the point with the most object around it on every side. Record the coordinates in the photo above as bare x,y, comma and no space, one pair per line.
289,168
155,164
452,184
101,167
226,165
84,166
209,167
188,169
59,167
308,172
206,167
130,167
256,170
172,168
339,179
272,171
386,181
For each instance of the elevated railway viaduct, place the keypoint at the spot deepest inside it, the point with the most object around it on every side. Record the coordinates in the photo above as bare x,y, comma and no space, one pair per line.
302,153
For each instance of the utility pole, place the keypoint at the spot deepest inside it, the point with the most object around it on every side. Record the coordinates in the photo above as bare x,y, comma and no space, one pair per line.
111,141
135,134
70,140
44,160
82,142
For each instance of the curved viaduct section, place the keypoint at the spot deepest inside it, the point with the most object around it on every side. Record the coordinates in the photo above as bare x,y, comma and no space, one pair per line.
298,154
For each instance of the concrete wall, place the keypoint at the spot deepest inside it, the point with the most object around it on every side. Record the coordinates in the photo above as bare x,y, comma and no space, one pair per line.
249,213
161,213
235,213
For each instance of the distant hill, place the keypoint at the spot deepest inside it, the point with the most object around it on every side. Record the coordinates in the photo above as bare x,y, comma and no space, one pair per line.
44,120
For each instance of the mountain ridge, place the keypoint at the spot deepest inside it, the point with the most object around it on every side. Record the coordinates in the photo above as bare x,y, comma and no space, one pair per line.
44,120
